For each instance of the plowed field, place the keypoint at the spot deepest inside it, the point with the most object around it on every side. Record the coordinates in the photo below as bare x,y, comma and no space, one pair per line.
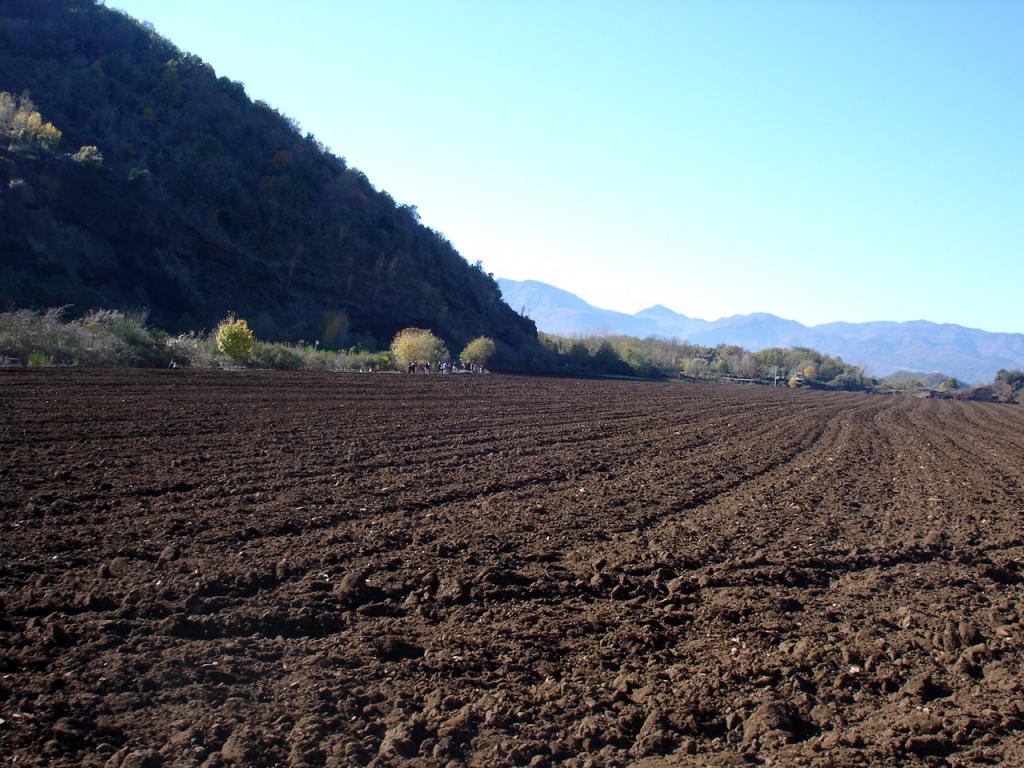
270,569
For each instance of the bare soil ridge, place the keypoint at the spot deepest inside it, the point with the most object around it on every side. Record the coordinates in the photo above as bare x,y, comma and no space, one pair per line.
264,569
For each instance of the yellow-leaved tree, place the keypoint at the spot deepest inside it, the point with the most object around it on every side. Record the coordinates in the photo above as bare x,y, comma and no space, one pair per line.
417,345
235,339
22,123
478,351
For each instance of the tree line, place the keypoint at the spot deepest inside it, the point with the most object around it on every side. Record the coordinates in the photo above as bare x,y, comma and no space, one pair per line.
114,338
659,358
1006,387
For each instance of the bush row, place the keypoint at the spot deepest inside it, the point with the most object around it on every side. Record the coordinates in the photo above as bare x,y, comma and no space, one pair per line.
110,338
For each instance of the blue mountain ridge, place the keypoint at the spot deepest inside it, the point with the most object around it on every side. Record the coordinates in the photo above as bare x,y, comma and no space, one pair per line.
880,347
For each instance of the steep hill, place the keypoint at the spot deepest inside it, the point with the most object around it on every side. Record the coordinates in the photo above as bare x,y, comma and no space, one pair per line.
969,354
206,202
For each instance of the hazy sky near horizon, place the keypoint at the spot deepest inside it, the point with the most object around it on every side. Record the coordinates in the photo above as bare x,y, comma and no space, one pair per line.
819,160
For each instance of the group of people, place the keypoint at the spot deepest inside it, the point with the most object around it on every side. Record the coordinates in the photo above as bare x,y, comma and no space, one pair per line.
444,367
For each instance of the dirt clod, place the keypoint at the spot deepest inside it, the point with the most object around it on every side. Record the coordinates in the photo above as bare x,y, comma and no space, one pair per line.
929,744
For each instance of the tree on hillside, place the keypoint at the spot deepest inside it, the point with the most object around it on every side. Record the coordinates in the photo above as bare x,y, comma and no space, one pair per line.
478,351
8,106
22,123
88,155
417,345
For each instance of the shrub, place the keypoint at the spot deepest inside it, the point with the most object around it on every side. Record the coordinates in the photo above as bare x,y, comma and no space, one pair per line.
314,359
235,339
24,333
280,357
478,351
416,345
849,381
358,360
192,350
139,177
88,155
39,360
116,338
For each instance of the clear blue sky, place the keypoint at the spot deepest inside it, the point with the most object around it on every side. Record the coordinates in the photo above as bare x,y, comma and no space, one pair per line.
819,160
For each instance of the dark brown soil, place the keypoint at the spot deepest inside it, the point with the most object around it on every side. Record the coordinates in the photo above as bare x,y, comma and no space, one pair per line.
270,569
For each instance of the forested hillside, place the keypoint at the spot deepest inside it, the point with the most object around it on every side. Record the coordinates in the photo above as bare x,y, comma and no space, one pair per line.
193,200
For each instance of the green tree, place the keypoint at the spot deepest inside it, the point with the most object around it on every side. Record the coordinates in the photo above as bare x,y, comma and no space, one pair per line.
1015,379
579,354
478,351
417,345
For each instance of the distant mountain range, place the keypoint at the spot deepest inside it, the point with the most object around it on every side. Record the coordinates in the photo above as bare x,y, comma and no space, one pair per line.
880,347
